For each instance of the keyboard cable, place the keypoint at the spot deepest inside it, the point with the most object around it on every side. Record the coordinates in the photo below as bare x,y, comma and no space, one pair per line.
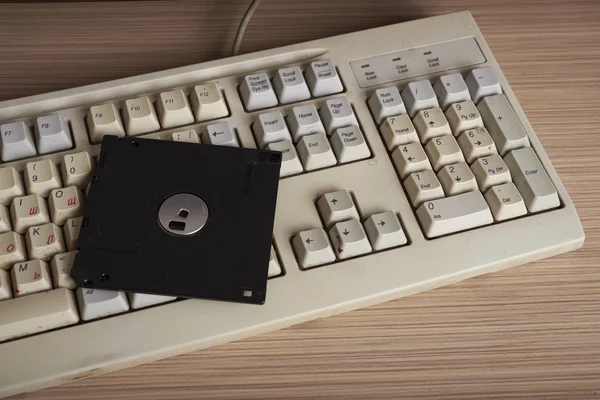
242,28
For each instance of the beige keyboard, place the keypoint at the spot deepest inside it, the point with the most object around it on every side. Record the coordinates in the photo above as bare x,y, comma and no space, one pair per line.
408,164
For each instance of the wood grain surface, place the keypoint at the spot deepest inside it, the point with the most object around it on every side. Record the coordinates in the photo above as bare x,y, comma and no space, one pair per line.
531,332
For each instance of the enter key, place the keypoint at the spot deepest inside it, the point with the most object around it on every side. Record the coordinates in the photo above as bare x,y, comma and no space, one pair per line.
532,180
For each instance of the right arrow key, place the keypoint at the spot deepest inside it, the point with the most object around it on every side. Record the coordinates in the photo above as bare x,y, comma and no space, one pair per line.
384,230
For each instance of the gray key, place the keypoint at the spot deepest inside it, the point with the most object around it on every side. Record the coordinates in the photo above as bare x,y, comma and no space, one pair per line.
221,135
532,180
52,134
17,141
502,123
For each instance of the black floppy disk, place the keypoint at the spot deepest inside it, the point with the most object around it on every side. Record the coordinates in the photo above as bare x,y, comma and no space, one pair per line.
179,219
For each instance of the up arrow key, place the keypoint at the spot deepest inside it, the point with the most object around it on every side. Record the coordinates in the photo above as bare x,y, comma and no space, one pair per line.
334,201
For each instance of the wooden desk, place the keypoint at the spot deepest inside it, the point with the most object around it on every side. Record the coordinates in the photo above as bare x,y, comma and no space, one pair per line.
529,332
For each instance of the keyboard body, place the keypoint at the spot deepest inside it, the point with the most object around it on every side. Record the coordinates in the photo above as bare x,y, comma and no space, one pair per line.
298,294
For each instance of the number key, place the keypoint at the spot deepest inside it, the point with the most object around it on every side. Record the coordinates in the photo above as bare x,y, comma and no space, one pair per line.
490,171
457,178
463,116
443,150
397,131
410,158
431,123
476,143
423,186
41,177
11,185
76,169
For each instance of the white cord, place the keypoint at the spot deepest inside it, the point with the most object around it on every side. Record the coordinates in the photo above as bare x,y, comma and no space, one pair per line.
242,28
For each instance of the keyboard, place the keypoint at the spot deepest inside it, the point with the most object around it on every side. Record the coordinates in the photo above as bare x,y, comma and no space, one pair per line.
408,164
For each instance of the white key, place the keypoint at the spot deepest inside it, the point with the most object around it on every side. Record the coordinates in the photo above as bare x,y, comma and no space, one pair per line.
410,158
104,120
139,116
443,150
290,162
28,211
208,102
323,79
71,232
274,267
349,144
37,313
257,92
431,123
453,214
505,201
532,180
173,109
5,285
52,133
65,203
290,85
451,89
189,136
96,303
423,186
384,231
11,185
502,123
41,177
482,82
61,270
30,277
463,116
269,128
77,169
315,152
12,249
313,248
490,171
457,178
220,135
337,113
386,102
44,241
5,225
419,96
476,143
304,120
141,300
17,141
336,207
397,131
349,239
